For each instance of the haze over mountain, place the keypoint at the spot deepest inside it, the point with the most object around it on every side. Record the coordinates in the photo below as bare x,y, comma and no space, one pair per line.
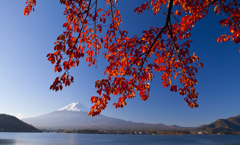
75,116
229,124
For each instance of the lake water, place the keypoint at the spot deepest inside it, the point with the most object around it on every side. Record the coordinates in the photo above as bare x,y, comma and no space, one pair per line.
108,139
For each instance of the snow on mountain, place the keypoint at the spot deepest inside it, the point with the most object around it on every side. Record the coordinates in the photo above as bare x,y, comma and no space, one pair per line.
75,107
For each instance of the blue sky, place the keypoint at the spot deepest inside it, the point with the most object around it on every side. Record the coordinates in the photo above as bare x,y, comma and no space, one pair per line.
26,74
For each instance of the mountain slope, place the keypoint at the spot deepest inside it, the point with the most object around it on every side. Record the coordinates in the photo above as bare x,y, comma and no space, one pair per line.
10,123
81,120
229,124
78,119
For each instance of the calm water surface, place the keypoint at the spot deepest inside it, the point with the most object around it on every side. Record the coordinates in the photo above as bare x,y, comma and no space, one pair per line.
107,139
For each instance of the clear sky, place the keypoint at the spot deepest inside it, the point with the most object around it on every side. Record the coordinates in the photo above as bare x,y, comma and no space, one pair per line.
26,74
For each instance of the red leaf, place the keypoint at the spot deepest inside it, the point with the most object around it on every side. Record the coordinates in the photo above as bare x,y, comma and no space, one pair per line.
65,65
59,69
69,27
173,88
56,68
48,54
216,9
85,27
99,10
99,92
65,24
77,62
232,30
61,87
176,12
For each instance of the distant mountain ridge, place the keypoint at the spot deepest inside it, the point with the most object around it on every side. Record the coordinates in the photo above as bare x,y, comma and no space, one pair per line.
10,123
75,116
229,124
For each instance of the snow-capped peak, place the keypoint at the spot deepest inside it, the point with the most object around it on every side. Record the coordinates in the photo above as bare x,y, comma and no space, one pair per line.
75,107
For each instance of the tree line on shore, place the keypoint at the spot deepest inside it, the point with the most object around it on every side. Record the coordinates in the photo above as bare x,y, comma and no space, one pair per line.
142,132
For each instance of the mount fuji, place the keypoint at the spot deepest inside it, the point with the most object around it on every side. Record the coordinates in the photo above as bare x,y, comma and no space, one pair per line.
75,107
75,116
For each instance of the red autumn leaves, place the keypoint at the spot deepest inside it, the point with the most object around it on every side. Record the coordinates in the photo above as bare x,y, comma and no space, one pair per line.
129,71
29,7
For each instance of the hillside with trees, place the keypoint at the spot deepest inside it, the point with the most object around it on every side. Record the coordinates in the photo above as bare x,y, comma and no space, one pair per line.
10,123
231,124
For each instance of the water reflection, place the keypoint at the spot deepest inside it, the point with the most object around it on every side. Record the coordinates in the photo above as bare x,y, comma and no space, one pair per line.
8,142
108,139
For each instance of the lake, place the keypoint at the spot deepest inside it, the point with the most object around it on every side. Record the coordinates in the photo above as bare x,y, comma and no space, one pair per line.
109,139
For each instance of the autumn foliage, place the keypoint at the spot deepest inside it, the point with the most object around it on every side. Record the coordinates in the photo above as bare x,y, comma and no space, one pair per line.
129,71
